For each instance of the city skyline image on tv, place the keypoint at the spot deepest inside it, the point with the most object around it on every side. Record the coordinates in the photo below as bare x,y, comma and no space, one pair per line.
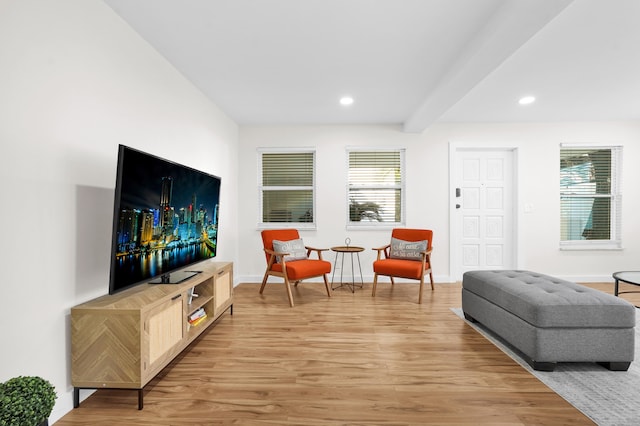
165,218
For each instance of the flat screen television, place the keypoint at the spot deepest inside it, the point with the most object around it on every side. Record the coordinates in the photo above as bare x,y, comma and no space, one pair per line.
165,220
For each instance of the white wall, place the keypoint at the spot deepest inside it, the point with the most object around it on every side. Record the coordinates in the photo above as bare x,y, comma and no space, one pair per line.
75,81
427,194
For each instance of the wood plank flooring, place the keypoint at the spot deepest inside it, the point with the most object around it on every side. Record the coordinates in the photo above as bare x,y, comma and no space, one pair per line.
350,359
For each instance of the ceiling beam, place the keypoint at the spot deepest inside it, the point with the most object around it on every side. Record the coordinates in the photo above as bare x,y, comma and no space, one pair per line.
510,27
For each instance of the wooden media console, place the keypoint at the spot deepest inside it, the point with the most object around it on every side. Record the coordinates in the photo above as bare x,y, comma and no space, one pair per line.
124,340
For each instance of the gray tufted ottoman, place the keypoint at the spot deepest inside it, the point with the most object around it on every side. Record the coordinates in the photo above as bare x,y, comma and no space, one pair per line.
551,320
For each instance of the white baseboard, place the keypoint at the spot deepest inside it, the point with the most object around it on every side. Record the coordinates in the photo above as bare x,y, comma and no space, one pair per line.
439,279
587,278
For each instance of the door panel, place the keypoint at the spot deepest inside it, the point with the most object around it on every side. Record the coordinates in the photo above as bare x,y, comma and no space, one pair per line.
483,235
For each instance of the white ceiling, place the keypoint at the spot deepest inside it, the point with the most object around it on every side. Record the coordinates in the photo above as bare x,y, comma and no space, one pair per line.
409,62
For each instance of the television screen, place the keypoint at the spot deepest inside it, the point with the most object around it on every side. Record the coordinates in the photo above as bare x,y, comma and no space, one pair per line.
165,219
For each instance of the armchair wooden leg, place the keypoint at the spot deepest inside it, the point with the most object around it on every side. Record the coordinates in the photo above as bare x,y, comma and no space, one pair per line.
288,286
420,295
264,282
431,278
326,284
375,284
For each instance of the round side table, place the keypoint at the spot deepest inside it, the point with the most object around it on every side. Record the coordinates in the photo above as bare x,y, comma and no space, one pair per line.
340,252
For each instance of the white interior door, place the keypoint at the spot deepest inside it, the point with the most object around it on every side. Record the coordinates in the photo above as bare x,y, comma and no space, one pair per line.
483,213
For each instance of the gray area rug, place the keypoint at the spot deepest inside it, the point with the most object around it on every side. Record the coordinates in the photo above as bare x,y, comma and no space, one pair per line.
606,397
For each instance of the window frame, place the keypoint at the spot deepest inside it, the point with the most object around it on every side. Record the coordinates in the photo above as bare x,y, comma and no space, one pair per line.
615,195
355,225
262,188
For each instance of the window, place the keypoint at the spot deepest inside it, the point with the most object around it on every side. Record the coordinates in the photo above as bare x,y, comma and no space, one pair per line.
287,188
376,187
590,200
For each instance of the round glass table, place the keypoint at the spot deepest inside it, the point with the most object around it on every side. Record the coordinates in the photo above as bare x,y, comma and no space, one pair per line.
629,277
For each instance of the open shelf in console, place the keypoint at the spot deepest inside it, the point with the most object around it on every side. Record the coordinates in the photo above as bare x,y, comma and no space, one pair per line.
199,306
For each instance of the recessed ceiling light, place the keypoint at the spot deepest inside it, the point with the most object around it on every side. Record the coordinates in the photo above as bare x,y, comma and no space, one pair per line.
346,100
527,100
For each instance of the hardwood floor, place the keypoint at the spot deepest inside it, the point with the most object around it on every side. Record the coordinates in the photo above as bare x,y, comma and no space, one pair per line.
351,359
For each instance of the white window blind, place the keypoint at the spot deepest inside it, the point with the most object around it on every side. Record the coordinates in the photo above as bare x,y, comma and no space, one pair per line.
590,199
287,187
376,187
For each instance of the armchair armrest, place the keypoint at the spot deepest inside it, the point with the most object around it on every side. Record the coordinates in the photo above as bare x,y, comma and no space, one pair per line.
426,256
384,249
276,253
317,250
273,256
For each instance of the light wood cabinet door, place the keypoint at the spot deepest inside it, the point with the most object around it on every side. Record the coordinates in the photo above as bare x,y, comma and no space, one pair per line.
223,288
163,331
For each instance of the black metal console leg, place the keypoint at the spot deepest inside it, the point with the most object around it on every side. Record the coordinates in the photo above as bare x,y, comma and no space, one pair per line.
76,397
140,399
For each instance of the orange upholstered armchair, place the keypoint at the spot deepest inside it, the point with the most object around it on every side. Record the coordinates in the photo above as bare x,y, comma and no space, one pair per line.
288,258
408,255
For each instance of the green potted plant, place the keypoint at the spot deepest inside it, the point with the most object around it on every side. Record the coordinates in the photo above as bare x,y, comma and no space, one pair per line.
26,401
